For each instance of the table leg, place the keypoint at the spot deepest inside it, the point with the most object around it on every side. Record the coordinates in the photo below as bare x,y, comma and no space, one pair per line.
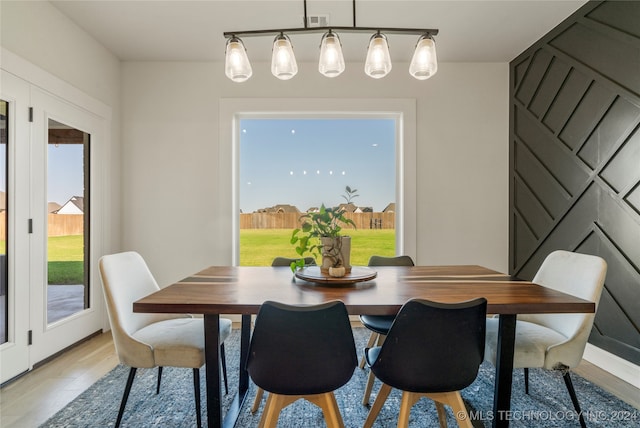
212,366
504,370
233,412
212,361
244,355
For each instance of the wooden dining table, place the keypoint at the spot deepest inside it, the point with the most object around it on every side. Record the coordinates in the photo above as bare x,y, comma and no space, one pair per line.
220,290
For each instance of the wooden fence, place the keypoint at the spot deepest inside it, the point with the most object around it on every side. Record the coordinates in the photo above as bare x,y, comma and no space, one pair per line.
59,224
66,224
291,220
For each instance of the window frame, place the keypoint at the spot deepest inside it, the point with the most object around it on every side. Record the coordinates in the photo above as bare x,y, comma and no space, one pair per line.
232,110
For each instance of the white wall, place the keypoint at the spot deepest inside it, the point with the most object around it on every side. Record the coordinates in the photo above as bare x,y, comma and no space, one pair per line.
38,33
170,149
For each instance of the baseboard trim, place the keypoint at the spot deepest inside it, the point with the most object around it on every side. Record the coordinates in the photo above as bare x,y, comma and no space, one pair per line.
619,367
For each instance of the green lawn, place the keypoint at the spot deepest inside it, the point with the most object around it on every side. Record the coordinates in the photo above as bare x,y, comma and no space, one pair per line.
61,273
65,259
258,247
65,248
60,248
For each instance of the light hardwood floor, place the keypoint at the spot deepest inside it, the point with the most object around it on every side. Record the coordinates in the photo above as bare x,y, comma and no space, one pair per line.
30,400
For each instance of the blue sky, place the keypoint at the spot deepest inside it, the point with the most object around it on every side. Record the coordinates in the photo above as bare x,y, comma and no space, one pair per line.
306,162
65,172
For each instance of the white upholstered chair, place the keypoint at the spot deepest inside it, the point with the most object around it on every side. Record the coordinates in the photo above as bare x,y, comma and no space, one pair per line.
150,340
555,341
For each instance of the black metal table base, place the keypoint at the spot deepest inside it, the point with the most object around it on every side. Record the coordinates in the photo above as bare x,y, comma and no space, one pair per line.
212,358
504,370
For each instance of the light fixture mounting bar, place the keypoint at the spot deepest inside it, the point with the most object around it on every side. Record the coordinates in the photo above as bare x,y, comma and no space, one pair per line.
407,31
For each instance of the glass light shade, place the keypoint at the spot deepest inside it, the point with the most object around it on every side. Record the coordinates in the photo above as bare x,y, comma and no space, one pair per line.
331,62
283,61
378,63
236,65
424,63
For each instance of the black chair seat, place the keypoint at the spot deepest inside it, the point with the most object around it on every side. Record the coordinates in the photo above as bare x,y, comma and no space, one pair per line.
371,354
377,323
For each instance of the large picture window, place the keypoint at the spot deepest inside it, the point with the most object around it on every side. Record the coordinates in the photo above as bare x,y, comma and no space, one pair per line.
290,166
237,113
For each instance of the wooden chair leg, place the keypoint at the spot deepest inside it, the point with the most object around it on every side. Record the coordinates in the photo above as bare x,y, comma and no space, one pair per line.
275,404
270,414
367,391
256,401
377,405
454,400
442,414
407,402
372,339
125,396
327,402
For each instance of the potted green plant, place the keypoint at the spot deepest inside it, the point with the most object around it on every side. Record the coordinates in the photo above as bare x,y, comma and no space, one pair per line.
320,235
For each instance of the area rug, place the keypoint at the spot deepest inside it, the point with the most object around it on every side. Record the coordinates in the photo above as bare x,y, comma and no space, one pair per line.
547,405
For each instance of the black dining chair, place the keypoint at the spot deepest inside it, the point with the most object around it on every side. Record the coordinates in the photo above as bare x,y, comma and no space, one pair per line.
301,352
432,350
278,262
379,324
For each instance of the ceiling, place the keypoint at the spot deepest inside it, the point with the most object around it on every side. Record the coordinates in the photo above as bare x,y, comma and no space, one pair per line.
181,30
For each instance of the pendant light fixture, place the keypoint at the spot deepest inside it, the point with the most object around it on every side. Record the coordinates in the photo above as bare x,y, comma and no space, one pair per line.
283,60
424,63
331,63
378,63
237,66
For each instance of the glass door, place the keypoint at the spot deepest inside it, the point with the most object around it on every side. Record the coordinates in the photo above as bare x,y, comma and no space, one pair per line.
66,304
14,240
4,304
68,220
50,294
